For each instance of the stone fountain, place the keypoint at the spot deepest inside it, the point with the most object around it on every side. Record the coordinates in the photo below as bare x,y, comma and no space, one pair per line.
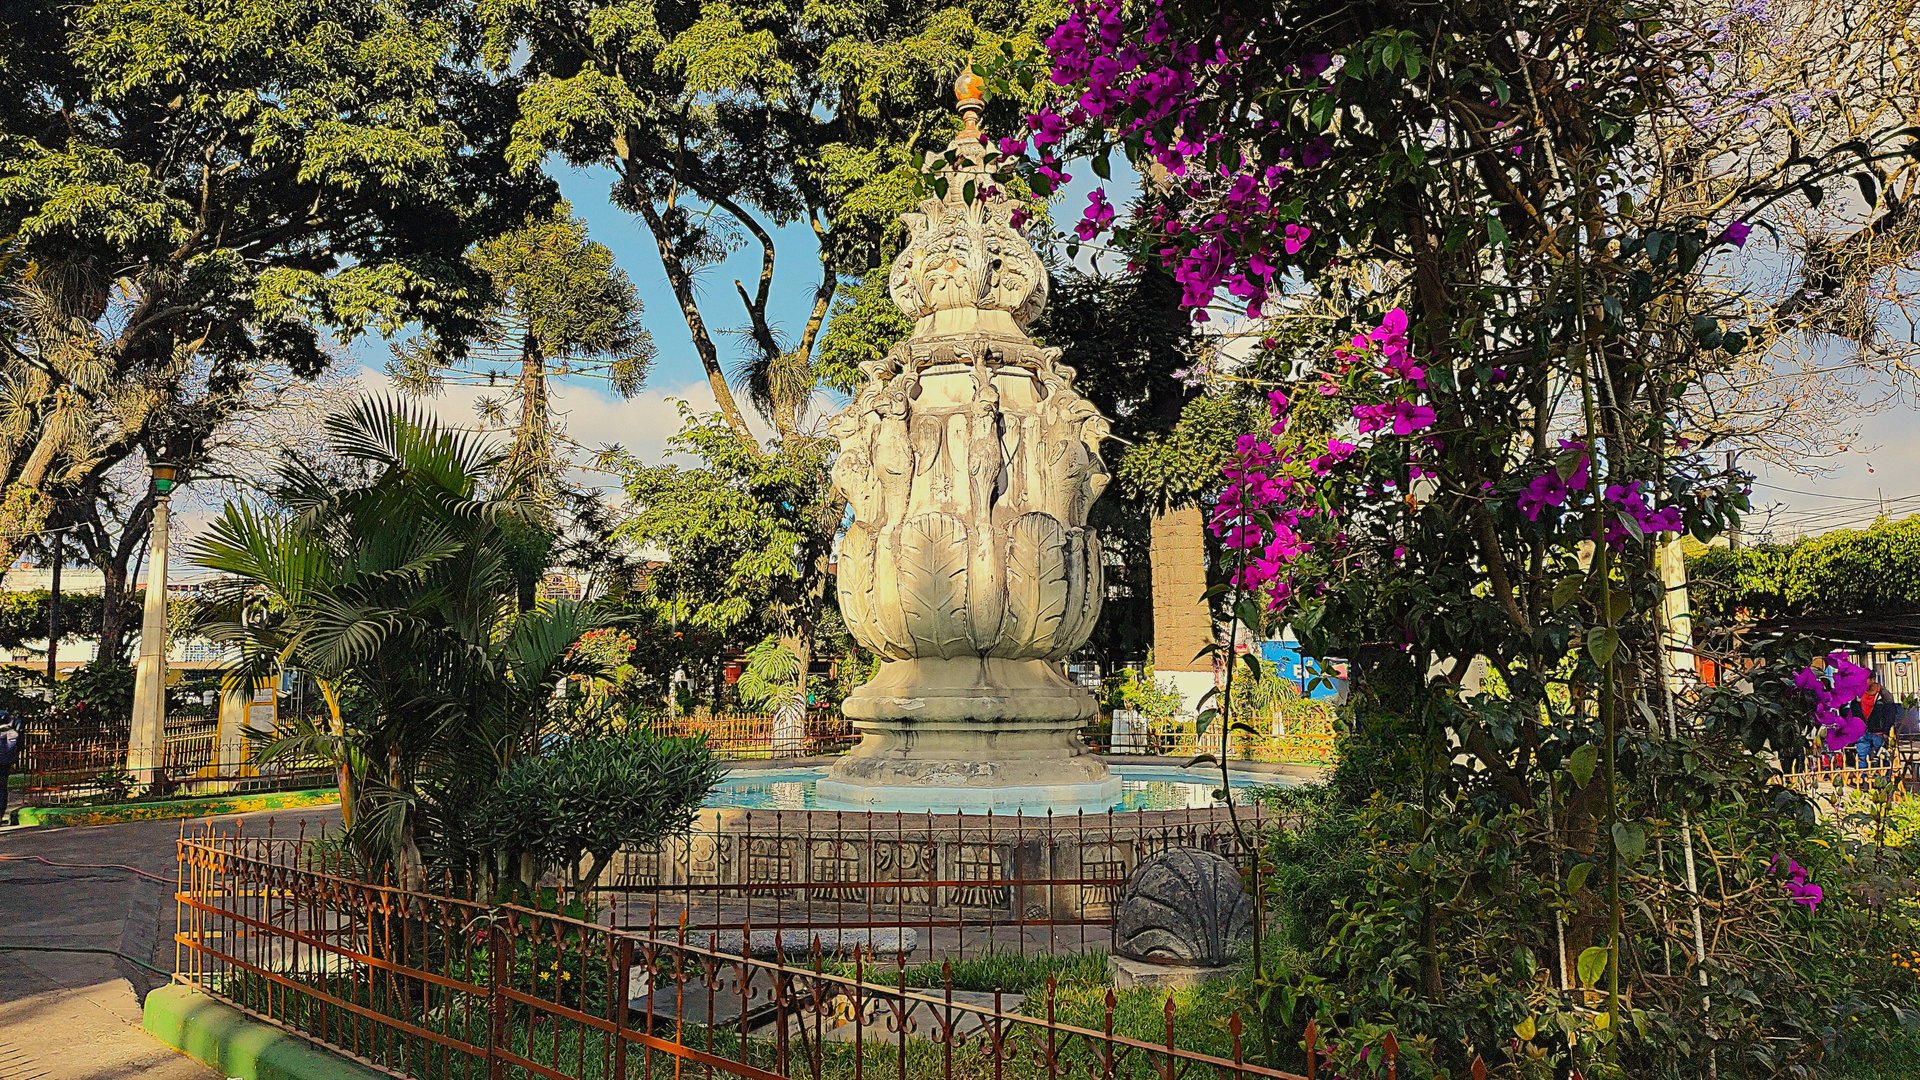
970,464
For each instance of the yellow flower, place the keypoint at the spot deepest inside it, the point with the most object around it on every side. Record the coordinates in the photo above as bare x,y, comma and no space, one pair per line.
546,975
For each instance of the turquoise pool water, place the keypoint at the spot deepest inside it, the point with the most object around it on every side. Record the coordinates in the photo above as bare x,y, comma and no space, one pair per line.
1142,787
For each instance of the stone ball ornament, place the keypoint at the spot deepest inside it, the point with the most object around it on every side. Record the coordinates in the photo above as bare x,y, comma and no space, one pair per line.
1184,906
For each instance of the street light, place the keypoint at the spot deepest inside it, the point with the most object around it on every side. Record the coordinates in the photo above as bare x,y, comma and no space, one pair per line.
147,739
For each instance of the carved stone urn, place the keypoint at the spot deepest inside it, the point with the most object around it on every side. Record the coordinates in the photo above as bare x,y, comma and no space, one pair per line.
969,463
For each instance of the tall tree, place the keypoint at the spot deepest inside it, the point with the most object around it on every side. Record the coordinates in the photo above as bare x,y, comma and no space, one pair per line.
558,308
192,190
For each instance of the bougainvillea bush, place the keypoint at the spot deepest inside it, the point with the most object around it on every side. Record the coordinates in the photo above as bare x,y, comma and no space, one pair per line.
1509,225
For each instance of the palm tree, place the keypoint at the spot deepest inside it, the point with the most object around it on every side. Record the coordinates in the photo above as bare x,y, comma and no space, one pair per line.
391,575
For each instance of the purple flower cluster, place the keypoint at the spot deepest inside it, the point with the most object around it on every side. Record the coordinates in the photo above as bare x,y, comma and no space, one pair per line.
1833,692
1098,217
1265,515
1144,85
1796,884
1628,501
1551,488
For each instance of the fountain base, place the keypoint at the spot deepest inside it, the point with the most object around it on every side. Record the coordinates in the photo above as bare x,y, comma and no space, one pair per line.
970,734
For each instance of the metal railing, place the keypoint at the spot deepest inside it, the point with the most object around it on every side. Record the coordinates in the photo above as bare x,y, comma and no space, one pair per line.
68,762
756,736
939,886
420,985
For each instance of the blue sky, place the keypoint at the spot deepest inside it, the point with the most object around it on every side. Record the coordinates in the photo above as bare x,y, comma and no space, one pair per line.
1883,463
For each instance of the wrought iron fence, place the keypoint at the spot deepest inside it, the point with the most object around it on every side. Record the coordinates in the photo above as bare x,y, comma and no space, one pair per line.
1310,742
419,985
70,760
755,736
933,886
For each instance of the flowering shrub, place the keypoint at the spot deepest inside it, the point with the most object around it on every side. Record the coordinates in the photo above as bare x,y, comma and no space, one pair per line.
1461,195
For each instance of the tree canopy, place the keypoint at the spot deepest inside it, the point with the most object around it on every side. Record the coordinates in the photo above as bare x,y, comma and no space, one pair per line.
1875,570
193,193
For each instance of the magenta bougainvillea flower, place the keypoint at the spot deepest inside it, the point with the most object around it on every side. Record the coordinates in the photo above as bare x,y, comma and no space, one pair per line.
1098,217
1796,884
1738,232
1843,685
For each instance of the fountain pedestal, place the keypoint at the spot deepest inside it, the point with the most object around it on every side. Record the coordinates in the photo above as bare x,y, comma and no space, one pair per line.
970,734
970,463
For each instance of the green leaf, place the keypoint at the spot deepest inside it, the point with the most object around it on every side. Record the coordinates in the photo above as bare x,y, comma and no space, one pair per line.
1629,840
1101,168
1869,188
1249,614
1582,762
1566,589
1591,965
1496,232
1255,669
968,190
1602,643
1577,877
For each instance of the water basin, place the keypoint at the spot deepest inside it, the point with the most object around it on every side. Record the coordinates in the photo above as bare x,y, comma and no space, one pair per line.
1142,787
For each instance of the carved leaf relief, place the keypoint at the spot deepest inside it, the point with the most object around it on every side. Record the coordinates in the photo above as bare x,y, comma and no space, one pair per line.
933,585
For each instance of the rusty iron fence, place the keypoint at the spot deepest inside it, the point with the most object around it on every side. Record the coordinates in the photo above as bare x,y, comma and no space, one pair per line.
1821,769
80,761
932,886
1301,740
1310,741
429,986
760,736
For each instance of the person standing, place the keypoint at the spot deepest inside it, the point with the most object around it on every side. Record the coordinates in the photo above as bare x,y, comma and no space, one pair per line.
12,740
1876,710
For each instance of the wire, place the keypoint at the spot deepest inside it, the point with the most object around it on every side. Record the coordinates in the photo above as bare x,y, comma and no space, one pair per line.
9,946
1824,495
89,866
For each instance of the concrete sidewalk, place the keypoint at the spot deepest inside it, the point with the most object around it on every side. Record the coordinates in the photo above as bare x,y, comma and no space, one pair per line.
76,1015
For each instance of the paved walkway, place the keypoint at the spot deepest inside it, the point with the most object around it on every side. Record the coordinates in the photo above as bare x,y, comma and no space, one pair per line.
76,1015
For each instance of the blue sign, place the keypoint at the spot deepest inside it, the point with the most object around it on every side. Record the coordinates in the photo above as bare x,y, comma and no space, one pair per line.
1314,680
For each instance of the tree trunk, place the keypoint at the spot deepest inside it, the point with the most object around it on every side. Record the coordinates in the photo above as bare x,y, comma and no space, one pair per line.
684,293
532,458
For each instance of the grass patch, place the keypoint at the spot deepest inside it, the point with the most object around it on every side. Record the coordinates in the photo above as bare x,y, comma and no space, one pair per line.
1012,973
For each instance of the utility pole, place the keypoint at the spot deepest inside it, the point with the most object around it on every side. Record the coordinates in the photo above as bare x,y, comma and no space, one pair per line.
53,611
147,740
1733,534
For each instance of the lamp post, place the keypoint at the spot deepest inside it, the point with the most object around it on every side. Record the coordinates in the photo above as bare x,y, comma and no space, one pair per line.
147,741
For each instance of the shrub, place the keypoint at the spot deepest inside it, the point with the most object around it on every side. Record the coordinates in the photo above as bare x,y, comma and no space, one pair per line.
569,809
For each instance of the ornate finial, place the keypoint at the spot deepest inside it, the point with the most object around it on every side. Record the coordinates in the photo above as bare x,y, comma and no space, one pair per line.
970,94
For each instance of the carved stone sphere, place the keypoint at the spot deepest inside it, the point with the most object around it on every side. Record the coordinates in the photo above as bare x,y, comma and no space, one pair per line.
1183,906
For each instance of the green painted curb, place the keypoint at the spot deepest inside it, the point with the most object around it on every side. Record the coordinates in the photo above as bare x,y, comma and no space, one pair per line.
212,806
236,1045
